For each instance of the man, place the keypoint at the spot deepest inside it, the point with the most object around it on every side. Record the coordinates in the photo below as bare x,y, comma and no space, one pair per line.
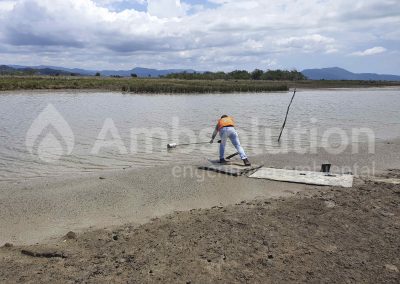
226,129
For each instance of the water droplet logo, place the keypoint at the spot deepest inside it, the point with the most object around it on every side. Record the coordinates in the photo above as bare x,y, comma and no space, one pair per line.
50,137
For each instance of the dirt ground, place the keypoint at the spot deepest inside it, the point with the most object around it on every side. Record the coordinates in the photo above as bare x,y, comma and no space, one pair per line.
328,235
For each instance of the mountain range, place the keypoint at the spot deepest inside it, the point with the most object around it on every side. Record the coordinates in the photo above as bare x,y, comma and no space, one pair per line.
139,71
336,73
333,73
9,70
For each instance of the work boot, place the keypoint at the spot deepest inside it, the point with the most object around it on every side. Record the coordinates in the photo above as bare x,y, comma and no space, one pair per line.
246,162
223,161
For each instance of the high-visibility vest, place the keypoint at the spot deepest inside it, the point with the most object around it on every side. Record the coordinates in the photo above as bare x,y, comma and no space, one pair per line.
224,122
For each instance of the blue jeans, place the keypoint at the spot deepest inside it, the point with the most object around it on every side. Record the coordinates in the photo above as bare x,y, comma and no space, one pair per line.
230,132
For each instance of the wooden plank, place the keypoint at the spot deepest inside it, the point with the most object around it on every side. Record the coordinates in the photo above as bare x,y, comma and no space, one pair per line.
230,168
306,177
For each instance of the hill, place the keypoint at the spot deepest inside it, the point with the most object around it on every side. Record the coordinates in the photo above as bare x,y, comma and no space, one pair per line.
336,73
12,70
139,71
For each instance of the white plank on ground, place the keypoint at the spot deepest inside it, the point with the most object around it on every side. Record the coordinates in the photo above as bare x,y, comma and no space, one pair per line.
386,180
306,177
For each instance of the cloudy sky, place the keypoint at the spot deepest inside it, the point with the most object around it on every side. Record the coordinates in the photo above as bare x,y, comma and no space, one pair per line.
359,35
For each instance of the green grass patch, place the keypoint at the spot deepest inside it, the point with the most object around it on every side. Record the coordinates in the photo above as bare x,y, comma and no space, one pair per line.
170,86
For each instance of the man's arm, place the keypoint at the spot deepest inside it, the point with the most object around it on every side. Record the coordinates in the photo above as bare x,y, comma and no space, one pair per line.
214,134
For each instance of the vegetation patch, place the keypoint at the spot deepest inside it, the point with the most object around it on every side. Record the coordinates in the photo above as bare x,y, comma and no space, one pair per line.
172,85
138,85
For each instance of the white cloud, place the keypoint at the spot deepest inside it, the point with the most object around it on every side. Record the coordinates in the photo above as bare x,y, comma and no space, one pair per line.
107,2
111,2
166,8
6,6
370,51
238,33
308,43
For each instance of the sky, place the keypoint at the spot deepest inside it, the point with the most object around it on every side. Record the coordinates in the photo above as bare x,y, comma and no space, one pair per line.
213,35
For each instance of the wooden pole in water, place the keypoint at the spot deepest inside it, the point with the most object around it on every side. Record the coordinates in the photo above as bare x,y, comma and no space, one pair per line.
287,113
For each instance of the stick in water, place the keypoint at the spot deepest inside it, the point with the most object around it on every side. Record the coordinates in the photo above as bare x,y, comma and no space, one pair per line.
287,113
174,145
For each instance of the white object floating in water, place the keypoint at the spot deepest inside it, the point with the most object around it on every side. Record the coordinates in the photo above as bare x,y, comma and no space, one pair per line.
307,177
171,146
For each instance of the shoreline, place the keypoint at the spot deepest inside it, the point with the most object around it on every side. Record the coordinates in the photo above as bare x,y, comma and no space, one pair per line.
46,209
145,225
291,88
54,179
324,235
175,86
43,210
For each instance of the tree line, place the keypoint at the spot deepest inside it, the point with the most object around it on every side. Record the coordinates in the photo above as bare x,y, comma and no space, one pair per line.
257,74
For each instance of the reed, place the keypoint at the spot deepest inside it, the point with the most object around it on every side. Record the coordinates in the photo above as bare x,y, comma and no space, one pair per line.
170,86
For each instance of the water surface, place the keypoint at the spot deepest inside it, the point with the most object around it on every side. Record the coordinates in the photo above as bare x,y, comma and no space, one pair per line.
162,116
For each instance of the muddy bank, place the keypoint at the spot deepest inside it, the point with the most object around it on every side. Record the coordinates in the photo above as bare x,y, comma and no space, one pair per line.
48,208
335,235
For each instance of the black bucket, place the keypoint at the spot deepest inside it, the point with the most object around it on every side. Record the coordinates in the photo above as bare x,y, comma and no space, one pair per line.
326,168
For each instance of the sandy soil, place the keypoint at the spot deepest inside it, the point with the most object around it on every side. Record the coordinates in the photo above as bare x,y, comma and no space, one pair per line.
281,233
48,208
333,236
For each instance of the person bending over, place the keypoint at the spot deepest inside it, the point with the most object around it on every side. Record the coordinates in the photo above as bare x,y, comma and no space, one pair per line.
226,129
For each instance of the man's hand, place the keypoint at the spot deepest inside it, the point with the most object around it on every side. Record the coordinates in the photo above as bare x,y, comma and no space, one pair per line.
211,141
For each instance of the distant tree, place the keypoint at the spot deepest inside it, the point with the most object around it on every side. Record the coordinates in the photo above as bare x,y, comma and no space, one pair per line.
239,75
283,75
98,74
257,74
220,75
296,75
133,75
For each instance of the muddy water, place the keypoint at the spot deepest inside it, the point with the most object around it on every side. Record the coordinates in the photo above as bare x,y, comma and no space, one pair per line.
66,132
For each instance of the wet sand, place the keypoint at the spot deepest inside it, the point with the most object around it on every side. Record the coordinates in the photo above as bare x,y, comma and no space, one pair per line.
329,235
276,231
43,210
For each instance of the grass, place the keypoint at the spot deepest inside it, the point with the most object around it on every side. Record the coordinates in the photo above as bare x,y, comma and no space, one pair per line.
148,85
138,85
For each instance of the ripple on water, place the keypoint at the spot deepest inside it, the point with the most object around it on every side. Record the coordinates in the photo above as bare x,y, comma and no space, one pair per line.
86,114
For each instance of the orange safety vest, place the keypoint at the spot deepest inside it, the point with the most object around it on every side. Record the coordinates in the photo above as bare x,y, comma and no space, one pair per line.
224,122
